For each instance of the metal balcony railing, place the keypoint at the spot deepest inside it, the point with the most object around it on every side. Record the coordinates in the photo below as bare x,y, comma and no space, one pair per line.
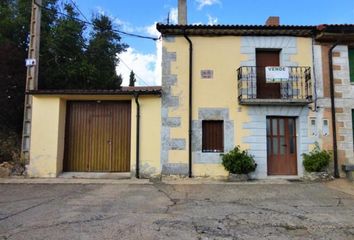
253,88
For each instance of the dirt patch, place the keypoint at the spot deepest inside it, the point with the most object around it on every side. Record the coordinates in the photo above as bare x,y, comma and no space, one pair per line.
342,185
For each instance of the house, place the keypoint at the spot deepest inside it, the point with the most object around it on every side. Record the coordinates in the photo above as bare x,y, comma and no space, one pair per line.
215,95
332,121
95,131
266,88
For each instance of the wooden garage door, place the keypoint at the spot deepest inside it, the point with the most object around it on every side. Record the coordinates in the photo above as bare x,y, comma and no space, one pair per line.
97,137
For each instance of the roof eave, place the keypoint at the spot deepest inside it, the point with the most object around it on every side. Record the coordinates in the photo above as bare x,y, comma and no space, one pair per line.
235,30
96,93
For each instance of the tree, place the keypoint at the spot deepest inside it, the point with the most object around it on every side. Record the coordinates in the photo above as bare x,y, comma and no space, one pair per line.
14,31
102,53
65,59
132,79
65,64
14,27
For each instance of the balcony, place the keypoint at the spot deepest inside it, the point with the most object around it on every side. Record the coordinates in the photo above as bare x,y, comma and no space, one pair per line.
254,89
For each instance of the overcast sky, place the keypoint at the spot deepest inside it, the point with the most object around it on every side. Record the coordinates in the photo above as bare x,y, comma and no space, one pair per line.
140,17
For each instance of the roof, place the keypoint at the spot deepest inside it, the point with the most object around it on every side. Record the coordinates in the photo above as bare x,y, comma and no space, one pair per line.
335,27
150,90
236,30
323,32
335,33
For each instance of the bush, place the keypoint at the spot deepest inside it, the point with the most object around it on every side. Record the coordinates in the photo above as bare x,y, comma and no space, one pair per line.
10,147
238,161
317,160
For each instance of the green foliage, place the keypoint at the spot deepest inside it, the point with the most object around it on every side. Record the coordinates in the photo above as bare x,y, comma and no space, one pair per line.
14,27
102,54
132,79
64,65
317,160
238,161
69,60
9,146
69,57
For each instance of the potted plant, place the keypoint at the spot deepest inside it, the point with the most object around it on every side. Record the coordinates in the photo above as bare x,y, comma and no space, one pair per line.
239,163
316,164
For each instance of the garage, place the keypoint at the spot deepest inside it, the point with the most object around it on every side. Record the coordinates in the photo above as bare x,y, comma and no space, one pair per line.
97,136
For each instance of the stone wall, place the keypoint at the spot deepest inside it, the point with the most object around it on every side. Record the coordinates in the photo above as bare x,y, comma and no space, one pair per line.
344,100
170,101
257,139
229,143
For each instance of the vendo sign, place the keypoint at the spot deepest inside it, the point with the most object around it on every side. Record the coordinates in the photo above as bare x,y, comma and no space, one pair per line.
276,74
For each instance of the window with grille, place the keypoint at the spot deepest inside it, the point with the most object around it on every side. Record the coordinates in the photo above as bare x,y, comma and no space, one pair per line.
213,136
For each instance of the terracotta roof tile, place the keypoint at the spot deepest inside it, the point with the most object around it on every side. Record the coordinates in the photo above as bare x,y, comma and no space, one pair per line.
150,90
236,30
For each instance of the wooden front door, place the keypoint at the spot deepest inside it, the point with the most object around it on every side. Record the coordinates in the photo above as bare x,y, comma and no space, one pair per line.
281,146
97,137
266,58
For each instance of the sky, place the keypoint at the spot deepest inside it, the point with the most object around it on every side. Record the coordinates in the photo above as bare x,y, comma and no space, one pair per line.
140,17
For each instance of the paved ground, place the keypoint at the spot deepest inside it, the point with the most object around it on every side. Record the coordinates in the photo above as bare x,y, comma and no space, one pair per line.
175,211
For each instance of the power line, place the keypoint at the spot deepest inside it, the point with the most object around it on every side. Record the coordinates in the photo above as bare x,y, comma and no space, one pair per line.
91,24
78,9
126,65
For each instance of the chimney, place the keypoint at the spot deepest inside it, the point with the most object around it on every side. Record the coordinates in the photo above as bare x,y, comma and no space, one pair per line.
182,12
273,21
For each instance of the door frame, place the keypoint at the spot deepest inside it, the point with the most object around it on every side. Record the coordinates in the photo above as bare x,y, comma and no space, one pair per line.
286,134
261,83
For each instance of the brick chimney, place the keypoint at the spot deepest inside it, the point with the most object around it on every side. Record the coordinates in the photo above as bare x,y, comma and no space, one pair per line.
273,21
182,12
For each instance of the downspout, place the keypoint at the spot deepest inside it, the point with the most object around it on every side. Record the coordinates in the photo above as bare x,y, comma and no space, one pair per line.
333,110
315,108
190,104
137,168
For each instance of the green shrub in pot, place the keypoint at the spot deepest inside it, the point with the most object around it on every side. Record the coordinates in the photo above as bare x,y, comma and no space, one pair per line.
317,160
238,161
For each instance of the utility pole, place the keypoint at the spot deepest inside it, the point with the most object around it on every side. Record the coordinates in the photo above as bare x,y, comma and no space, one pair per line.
32,74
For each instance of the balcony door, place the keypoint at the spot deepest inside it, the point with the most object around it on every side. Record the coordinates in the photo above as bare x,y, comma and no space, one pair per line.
281,146
266,58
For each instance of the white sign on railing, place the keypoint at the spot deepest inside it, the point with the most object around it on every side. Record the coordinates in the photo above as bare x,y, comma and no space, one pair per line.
276,74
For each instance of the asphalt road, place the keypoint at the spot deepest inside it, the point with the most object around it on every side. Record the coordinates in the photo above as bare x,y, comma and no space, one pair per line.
168,211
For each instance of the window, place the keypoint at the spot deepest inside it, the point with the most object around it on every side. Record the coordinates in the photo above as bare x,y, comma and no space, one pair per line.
213,136
351,64
313,126
325,127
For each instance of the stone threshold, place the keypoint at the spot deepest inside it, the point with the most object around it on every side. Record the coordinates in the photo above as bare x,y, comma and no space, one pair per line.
95,175
73,181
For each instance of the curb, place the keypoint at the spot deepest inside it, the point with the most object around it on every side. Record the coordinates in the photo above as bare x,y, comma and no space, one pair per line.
198,181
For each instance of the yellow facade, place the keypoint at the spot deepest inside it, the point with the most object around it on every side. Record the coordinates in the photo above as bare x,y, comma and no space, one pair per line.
48,133
150,143
47,137
222,54
165,149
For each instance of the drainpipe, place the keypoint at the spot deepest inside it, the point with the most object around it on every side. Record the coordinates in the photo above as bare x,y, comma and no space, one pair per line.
333,110
137,174
315,108
190,104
